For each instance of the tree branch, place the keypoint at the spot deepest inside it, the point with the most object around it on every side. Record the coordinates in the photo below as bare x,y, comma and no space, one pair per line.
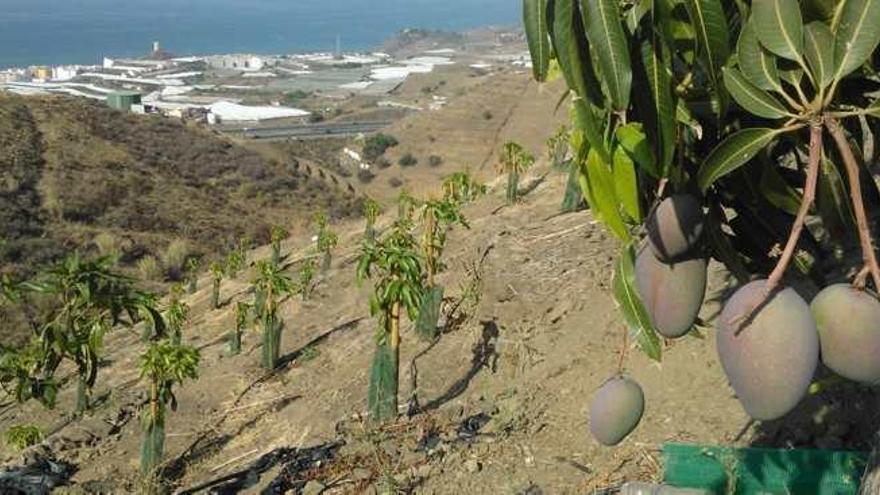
852,172
809,196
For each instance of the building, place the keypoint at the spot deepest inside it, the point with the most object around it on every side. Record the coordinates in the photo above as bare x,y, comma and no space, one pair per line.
123,100
242,62
42,73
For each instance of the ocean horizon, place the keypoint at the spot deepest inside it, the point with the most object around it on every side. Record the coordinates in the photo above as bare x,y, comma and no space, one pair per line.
56,32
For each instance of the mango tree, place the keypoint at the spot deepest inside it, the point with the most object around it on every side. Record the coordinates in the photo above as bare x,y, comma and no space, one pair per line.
394,265
192,274
217,272
164,365
306,278
242,314
462,188
738,132
326,240
89,299
513,162
278,235
271,287
372,210
176,315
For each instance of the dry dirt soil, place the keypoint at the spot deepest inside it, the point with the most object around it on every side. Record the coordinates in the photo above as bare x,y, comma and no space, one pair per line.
504,391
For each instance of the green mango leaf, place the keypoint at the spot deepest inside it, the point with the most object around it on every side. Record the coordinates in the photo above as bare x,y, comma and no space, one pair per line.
732,153
572,51
626,184
585,120
608,45
833,202
873,110
631,138
630,304
712,33
819,52
758,65
752,98
538,36
606,204
777,192
856,36
635,14
656,62
780,27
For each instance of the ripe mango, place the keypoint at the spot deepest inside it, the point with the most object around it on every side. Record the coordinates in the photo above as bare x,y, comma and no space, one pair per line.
671,292
771,362
616,410
848,321
676,227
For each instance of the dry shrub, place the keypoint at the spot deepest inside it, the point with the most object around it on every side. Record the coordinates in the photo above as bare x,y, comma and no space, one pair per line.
150,269
174,258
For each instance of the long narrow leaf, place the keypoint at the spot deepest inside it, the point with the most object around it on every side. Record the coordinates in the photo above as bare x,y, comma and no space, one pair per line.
631,306
538,36
606,204
732,153
819,52
758,65
856,36
780,27
607,41
752,98
713,34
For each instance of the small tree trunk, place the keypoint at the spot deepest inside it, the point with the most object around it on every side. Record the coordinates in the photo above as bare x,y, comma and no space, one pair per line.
193,284
382,396
82,395
394,342
215,294
325,264
235,342
153,446
512,187
272,328
276,253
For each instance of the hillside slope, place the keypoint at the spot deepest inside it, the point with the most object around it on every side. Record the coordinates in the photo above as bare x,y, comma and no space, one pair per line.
504,391
74,169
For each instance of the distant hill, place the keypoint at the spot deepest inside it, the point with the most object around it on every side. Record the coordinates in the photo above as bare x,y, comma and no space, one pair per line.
75,174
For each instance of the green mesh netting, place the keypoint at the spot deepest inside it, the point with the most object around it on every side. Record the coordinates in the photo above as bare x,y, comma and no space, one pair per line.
153,446
751,471
429,313
382,399
574,199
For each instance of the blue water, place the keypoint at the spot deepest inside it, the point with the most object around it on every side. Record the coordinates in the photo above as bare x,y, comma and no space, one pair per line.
47,32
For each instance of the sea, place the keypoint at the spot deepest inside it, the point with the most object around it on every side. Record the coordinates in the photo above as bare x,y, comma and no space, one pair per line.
56,32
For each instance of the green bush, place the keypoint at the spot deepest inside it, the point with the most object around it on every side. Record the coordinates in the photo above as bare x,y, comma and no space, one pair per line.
377,144
20,437
408,160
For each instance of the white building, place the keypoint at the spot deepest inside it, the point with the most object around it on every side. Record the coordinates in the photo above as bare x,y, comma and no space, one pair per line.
242,62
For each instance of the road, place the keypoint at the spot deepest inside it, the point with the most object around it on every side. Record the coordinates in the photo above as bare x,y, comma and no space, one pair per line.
307,131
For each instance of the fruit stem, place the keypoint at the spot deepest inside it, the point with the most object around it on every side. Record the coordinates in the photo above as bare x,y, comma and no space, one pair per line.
623,351
797,228
809,196
861,279
852,171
